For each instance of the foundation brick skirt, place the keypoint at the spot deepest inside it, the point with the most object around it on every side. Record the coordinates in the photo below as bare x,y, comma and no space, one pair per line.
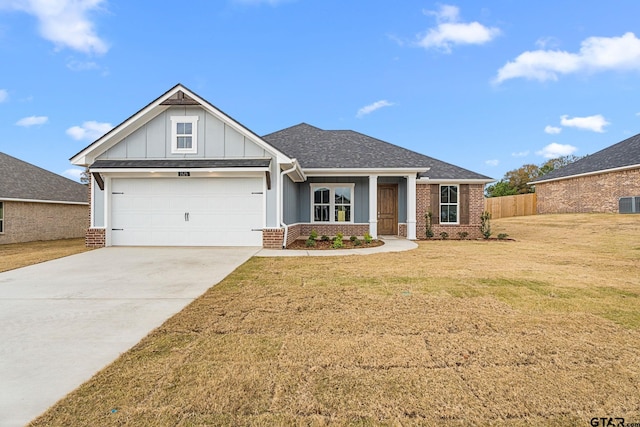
95,238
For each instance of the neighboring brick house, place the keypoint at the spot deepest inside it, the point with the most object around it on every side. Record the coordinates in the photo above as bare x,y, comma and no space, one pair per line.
36,204
180,172
595,183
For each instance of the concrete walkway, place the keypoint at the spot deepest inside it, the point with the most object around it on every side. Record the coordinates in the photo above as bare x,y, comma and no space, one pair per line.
63,320
391,244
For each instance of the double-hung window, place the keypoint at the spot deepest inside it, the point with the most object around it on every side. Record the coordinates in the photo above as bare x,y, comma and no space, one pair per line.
449,204
332,202
184,134
1,217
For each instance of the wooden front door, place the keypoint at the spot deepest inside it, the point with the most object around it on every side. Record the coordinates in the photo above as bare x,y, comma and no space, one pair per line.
388,209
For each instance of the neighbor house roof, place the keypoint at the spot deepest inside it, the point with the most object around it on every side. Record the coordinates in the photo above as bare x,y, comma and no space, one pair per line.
316,148
623,155
23,181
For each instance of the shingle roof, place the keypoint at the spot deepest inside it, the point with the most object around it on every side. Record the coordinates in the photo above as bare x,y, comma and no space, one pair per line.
623,154
22,180
316,148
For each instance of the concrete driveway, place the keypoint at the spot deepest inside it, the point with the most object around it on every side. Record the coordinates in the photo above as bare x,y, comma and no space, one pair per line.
61,321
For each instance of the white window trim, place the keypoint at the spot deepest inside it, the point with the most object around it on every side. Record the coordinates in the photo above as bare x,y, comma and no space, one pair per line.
457,204
2,217
332,201
174,134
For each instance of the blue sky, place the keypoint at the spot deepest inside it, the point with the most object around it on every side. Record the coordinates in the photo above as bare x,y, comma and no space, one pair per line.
487,85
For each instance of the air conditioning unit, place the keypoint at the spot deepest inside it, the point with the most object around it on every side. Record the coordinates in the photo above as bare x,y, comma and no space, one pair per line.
628,205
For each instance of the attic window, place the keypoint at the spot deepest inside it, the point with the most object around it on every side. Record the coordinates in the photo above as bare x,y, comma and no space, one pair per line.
184,134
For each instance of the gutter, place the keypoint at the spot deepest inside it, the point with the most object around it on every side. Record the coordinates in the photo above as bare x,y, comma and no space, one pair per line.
281,201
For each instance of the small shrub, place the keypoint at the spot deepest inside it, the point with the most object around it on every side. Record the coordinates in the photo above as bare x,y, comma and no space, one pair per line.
325,238
429,231
337,243
339,236
485,224
502,236
357,242
368,238
444,235
310,243
313,235
463,235
353,238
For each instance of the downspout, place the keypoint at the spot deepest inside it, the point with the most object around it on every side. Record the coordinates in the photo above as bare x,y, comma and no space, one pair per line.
281,191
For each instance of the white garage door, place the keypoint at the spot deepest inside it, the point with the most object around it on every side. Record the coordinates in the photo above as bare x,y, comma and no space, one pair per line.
187,212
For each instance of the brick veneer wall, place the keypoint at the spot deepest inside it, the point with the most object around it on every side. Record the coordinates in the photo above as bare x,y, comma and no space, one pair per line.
95,238
272,238
30,221
297,231
476,207
402,229
593,193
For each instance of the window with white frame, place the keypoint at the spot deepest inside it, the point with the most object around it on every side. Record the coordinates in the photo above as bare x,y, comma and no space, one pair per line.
184,134
449,204
1,217
332,202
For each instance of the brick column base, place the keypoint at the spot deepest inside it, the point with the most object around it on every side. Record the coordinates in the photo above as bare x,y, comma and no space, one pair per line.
272,238
95,238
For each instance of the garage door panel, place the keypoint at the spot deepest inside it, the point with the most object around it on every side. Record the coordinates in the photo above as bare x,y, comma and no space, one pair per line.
221,212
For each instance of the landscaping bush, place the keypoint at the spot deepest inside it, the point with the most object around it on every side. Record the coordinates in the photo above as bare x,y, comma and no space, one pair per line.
368,238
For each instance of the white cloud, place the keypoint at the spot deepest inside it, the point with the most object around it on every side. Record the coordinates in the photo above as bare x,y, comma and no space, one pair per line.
596,54
4,95
552,130
75,65
32,121
554,150
493,162
66,23
521,154
593,123
74,174
89,131
373,107
450,31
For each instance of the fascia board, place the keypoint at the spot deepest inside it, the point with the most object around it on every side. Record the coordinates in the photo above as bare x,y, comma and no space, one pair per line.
58,202
454,181
599,172
175,170
362,171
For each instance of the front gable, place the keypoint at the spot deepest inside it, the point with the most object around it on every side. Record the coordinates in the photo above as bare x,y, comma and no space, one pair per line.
148,134
214,139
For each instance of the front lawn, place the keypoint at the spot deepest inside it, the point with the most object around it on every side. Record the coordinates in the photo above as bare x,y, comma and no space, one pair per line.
16,255
543,330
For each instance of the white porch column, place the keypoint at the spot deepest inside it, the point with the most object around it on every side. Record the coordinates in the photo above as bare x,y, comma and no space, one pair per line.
411,207
373,206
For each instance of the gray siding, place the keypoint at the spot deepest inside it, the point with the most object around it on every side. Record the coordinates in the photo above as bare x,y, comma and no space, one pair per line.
361,197
98,205
215,139
298,197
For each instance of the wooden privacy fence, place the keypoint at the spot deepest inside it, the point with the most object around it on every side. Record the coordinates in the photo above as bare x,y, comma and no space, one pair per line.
507,206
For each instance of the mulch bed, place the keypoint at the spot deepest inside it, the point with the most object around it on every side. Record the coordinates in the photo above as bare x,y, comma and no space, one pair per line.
326,245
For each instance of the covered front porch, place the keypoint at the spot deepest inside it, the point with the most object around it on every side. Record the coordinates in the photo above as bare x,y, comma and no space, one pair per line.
355,204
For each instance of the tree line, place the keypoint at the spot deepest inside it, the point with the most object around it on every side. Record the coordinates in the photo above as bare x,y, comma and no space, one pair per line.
515,181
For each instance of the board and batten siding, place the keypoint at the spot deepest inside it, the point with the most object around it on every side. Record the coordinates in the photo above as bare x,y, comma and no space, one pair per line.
303,209
216,140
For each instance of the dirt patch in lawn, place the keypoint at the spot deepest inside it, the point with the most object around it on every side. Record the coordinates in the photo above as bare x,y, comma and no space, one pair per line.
16,255
327,245
541,331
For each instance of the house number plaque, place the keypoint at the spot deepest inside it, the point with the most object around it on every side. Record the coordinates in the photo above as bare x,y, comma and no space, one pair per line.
184,173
